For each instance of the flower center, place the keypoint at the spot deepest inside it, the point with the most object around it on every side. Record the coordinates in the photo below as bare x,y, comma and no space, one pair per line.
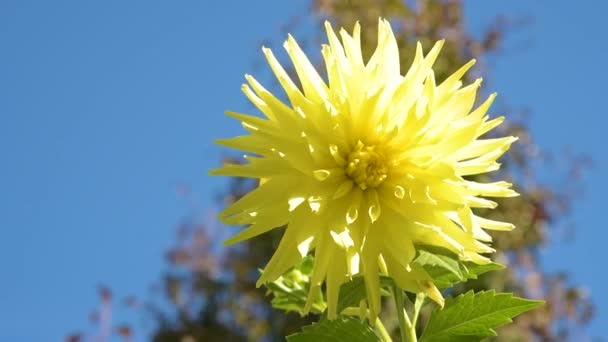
366,166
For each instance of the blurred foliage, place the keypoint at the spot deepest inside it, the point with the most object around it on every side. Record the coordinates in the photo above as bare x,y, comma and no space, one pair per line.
210,293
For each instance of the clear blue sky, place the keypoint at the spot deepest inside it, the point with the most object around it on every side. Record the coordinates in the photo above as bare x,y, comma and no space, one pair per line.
106,106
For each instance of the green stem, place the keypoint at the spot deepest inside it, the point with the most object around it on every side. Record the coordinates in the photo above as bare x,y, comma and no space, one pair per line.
384,335
417,306
406,329
351,312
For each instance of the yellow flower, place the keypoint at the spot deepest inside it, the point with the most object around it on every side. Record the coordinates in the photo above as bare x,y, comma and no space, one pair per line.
367,166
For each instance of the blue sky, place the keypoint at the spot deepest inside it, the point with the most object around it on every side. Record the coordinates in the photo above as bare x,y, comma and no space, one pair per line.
106,106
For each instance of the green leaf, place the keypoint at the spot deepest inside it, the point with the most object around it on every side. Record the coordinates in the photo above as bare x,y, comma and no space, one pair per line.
340,329
446,269
290,291
292,299
352,292
444,279
473,316
445,262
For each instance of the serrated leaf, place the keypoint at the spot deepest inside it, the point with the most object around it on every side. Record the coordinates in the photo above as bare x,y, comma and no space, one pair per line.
340,329
444,279
446,262
473,316
446,269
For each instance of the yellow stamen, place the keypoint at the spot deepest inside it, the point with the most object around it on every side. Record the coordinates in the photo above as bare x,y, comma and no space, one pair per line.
366,166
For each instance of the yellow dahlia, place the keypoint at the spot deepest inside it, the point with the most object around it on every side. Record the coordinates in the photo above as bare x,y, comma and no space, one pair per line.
367,166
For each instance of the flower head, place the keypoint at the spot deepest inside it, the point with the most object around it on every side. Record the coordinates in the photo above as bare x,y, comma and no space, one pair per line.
367,166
